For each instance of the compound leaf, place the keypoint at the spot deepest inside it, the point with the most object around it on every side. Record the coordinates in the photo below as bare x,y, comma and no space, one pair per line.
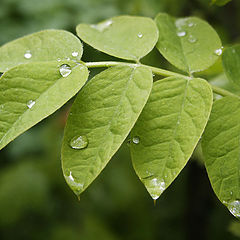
124,37
168,130
30,92
48,45
100,119
190,44
221,149
231,63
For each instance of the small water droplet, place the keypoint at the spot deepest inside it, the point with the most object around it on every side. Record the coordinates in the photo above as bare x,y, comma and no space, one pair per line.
218,52
28,54
65,70
136,140
191,24
30,103
234,208
192,39
156,187
181,34
102,25
58,59
140,35
79,142
74,54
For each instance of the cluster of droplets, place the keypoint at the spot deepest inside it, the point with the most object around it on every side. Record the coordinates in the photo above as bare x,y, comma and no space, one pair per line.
183,33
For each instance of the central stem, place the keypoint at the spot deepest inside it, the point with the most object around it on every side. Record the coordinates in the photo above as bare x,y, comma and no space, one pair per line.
157,71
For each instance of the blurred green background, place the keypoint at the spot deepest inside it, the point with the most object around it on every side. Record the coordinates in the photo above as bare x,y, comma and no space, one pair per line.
36,203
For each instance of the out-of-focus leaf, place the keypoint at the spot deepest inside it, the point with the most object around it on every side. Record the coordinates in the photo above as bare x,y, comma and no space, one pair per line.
31,92
220,2
100,119
231,63
190,44
124,37
168,130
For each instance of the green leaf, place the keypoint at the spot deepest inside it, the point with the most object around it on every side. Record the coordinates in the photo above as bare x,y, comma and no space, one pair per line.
190,44
100,119
124,37
168,130
221,149
231,63
220,2
48,45
30,92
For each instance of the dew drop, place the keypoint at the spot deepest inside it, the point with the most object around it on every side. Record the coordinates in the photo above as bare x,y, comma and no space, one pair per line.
136,140
192,39
79,142
65,70
234,208
74,54
218,52
30,103
156,187
102,26
140,35
58,59
181,34
191,24
28,54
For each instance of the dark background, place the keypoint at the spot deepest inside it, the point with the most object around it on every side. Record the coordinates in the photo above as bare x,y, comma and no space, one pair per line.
36,203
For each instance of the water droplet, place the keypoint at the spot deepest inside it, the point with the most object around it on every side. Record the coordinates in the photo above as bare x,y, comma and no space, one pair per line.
156,187
30,103
65,70
79,142
28,54
218,52
191,24
102,26
136,140
192,39
74,54
181,34
58,59
234,208
140,35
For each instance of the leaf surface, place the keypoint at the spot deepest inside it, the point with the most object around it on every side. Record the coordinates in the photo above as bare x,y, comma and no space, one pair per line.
190,44
100,119
48,45
124,37
231,63
220,2
168,130
221,149
31,92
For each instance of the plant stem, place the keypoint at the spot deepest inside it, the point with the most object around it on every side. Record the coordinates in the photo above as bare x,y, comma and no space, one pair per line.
157,71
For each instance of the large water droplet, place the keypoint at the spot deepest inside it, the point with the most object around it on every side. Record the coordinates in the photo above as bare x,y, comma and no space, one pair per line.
156,187
218,52
79,142
30,103
181,34
28,54
140,35
65,70
192,39
234,208
102,26
74,54
136,140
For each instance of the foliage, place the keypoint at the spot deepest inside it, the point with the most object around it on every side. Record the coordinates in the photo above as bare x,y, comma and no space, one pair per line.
165,119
